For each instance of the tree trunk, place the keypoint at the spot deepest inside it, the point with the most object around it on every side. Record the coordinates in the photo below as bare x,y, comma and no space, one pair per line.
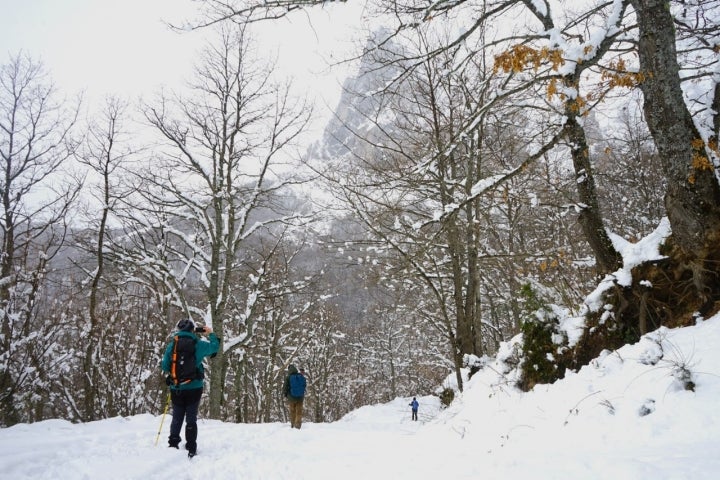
218,366
692,199
607,258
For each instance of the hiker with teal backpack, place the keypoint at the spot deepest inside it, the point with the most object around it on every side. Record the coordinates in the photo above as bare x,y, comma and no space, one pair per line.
294,390
183,364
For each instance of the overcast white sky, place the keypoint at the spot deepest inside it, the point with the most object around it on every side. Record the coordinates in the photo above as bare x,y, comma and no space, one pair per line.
103,46
123,47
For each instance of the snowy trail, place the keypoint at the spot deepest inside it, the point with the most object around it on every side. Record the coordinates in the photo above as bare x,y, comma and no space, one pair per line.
623,417
123,449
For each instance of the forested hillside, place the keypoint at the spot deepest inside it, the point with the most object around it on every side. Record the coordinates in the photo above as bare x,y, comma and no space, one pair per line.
487,167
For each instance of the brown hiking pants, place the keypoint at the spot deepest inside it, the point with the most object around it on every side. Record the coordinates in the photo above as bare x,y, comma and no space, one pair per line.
295,406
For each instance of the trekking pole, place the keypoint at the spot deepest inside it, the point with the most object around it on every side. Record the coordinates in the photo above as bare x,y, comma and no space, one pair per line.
167,404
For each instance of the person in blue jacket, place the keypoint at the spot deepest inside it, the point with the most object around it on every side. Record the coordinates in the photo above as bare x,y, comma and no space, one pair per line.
294,391
414,404
186,394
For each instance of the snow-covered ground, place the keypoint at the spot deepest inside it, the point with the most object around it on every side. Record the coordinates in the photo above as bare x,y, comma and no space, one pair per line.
624,417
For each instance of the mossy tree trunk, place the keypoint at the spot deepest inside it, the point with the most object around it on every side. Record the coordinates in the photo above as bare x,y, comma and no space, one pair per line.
692,199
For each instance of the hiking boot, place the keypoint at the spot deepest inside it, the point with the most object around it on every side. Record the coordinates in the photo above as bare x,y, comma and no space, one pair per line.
191,454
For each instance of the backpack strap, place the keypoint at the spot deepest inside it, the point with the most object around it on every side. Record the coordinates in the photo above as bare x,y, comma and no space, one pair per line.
173,362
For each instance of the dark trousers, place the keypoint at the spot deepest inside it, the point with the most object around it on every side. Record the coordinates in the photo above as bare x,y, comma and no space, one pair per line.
185,405
414,414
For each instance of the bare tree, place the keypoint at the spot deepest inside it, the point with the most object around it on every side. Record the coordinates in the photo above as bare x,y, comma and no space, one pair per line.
410,171
214,187
571,58
284,295
106,154
35,143
626,158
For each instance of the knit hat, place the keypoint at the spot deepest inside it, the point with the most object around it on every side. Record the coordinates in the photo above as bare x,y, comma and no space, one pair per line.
186,325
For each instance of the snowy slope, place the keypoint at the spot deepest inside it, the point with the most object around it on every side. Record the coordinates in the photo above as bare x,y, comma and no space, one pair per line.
626,416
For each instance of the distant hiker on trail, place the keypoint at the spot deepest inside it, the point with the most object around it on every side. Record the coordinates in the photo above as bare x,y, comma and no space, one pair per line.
294,391
414,404
183,362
